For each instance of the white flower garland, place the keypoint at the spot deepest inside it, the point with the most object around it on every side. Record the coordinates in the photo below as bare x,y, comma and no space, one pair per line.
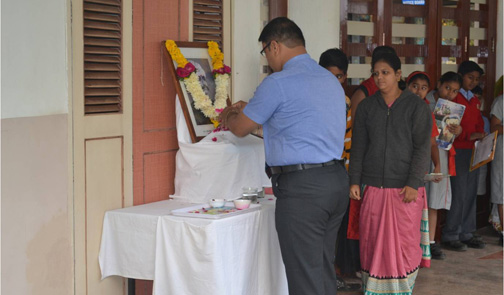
201,101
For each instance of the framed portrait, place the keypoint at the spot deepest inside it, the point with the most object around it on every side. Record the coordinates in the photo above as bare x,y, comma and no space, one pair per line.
196,53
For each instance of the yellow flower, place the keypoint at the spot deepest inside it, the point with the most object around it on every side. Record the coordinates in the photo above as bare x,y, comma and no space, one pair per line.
201,100
216,55
215,123
218,65
175,53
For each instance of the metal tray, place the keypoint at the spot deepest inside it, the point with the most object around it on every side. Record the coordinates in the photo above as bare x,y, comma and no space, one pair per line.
206,211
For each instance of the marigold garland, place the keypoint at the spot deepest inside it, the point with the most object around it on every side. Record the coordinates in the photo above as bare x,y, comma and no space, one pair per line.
187,72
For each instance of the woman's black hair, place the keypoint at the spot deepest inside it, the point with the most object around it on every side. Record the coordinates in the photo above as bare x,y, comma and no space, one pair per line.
334,58
402,85
451,77
469,66
381,50
390,58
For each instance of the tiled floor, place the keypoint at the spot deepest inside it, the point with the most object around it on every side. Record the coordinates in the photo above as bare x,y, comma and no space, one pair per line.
474,272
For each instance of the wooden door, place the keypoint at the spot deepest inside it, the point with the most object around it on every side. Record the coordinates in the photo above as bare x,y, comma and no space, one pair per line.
154,131
468,32
102,144
359,37
411,37
482,44
407,28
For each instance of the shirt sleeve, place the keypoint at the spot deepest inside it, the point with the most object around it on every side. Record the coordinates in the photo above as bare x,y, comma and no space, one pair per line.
497,108
267,98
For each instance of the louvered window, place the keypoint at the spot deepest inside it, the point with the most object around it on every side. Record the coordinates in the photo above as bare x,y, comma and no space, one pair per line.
207,21
102,56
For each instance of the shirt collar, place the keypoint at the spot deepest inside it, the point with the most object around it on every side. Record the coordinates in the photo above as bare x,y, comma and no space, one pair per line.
295,59
467,94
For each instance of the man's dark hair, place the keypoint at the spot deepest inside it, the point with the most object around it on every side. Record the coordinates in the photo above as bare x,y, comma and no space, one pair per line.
283,30
469,66
334,58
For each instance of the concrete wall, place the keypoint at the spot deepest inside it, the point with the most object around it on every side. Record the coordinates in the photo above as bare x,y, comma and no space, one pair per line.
34,68
246,62
319,21
36,220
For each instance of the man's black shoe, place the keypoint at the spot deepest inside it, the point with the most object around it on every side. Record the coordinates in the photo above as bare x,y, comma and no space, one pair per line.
454,246
436,252
475,243
477,237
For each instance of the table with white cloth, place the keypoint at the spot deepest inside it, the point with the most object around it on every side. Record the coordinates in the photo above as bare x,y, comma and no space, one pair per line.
183,255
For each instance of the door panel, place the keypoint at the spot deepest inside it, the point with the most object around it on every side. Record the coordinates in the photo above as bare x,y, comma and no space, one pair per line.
154,131
104,191
102,157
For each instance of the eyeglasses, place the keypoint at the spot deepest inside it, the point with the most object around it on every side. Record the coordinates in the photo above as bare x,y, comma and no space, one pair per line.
264,48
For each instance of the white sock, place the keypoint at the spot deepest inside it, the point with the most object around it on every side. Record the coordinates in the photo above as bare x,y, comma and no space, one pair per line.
433,242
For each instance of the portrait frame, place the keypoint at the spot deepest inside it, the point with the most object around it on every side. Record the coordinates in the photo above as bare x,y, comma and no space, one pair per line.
198,125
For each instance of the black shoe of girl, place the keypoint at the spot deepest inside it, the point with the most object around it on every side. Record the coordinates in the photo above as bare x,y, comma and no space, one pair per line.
344,287
454,246
475,243
436,252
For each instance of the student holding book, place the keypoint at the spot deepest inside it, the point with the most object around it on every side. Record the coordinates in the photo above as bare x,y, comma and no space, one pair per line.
461,219
438,194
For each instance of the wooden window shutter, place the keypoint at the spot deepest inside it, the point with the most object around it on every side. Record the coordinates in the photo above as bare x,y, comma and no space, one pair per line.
102,56
207,21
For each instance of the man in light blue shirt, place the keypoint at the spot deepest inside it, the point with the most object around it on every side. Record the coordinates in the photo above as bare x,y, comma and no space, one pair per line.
301,107
294,106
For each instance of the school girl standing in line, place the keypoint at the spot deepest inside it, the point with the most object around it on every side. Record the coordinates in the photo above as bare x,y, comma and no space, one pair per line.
438,192
460,224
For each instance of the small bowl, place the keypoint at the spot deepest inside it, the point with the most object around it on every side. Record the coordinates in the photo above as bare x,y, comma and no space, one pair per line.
241,204
217,203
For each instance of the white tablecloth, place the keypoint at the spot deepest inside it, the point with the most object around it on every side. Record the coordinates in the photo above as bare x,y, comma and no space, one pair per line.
234,255
216,169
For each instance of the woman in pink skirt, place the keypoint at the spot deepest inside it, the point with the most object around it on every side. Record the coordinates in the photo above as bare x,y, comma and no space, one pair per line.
390,156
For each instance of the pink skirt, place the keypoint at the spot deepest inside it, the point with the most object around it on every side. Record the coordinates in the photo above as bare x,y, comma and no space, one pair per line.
393,240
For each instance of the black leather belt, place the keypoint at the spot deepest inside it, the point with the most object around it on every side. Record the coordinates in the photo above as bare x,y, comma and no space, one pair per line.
297,167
